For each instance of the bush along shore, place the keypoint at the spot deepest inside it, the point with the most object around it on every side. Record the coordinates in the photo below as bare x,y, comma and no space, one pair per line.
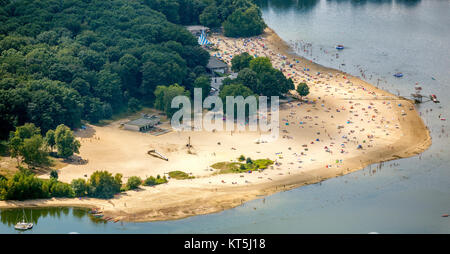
101,184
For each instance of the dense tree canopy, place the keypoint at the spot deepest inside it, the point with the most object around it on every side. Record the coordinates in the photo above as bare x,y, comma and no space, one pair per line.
25,185
164,96
241,61
203,82
63,61
27,145
103,185
258,75
234,90
244,22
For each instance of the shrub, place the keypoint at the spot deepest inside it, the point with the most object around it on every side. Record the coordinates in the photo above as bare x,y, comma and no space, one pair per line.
79,187
25,185
103,185
59,189
133,182
151,181
54,174
241,158
262,163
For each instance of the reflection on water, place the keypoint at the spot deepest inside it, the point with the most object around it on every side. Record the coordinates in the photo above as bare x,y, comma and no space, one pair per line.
409,3
298,5
9,217
308,5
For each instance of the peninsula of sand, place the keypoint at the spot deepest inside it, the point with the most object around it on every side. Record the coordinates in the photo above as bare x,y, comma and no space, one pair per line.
343,125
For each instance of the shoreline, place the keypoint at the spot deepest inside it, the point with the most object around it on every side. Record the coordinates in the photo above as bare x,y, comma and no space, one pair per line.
178,199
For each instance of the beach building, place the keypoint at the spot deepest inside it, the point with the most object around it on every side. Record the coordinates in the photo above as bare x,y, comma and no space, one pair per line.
216,83
197,30
215,65
142,124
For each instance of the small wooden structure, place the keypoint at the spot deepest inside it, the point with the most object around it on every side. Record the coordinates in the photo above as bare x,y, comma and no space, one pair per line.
417,96
156,154
197,30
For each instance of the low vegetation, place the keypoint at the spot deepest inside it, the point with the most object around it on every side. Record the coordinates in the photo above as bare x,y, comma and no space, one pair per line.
152,181
25,185
133,183
180,175
240,167
102,184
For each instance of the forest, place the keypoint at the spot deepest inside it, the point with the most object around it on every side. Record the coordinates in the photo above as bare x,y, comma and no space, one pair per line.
64,61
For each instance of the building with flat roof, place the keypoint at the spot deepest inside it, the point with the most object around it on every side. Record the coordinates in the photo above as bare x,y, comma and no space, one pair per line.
197,30
142,124
216,83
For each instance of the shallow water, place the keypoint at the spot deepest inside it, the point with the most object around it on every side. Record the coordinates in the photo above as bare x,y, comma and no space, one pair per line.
403,196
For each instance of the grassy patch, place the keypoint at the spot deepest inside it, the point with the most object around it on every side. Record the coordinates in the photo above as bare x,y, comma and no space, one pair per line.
226,165
238,167
180,175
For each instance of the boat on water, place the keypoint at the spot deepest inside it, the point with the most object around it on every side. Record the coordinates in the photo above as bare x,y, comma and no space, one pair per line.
340,47
433,97
398,75
23,225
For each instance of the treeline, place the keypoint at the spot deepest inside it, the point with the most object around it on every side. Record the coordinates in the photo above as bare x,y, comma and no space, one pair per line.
25,185
239,18
63,61
102,184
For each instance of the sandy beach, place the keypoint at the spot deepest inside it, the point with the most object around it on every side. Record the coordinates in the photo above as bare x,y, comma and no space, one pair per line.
318,140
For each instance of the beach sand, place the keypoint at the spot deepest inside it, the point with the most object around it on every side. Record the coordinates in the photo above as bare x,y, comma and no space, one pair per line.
347,112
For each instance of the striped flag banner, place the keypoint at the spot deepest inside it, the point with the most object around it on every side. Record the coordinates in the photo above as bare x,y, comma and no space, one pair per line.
202,39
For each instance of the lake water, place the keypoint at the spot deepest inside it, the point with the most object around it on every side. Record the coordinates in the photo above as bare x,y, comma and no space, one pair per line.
381,37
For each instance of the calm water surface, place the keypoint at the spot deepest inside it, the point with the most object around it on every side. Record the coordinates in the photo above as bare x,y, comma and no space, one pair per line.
404,196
